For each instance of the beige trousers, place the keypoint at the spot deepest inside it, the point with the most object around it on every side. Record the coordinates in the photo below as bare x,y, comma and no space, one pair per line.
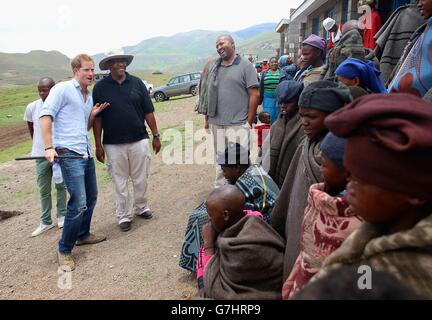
222,137
124,161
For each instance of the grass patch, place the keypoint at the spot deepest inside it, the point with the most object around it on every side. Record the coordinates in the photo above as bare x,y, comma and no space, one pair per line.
156,79
18,150
13,103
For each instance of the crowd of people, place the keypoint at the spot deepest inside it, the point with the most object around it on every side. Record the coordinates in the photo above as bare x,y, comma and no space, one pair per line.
348,181
343,181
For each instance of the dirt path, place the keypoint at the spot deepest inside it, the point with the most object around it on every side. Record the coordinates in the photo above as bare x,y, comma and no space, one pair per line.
12,135
139,264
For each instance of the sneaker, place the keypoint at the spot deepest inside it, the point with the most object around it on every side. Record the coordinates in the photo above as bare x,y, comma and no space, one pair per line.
60,222
125,226
65,262
146,214
41,229
91,239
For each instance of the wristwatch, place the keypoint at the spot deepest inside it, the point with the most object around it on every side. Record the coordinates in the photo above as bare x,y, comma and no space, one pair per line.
156,136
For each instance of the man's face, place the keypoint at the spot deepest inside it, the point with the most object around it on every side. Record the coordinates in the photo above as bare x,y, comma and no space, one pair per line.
310,55
225,48
118,67
85,74
44,89
425,7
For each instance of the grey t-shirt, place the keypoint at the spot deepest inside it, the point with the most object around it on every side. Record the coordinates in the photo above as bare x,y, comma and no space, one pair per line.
233,98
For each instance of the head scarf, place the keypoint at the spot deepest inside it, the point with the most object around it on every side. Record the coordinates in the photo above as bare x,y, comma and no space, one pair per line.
364,70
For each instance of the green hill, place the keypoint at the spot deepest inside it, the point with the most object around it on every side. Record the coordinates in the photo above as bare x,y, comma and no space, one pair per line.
28,68
182,52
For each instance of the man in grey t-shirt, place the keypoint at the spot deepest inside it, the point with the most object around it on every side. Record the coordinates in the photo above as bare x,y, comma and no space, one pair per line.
237,100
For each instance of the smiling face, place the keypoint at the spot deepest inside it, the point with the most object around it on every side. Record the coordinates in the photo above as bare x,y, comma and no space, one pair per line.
84,74
425,8
118,67
274,64
312,121
225,47
289,108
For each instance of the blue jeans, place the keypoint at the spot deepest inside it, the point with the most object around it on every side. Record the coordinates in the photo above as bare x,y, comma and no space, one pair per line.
80,180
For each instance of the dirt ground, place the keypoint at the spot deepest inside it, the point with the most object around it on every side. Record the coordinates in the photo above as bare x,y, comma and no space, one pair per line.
13,135
139,264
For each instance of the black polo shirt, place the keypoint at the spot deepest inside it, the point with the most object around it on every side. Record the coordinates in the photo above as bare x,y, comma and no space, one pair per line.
123,120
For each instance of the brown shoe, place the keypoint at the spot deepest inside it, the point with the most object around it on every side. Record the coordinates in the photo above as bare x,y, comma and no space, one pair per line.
91,239
66,262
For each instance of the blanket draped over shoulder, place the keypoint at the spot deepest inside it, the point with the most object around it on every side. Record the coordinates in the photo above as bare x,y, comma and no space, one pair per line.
260,192
247,263
407,254
349,46
287,215
393,37
285,136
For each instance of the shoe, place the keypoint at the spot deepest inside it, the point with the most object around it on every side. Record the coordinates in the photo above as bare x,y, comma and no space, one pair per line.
125,226
146,214
60,222
91,239
41,229
66,262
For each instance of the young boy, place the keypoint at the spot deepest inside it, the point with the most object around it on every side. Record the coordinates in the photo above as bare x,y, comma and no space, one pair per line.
327,219
44,170
389,155
263,127
242,255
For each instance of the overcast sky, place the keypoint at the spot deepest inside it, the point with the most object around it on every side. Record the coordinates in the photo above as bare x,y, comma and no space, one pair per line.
93,26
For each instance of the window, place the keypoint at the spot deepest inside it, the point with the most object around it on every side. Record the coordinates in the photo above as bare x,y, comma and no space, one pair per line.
174,81
185,78
344,11
315,25
196,76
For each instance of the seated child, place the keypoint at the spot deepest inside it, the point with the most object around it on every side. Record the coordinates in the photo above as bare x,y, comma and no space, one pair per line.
389,155
327,220
257,186
242,256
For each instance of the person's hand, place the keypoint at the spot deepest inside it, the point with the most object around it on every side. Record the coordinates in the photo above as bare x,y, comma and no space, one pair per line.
99,107
209,235
100,154
50,154
156,145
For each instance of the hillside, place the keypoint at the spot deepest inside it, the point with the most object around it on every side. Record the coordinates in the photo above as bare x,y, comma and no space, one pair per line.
28,68
182,52
188,51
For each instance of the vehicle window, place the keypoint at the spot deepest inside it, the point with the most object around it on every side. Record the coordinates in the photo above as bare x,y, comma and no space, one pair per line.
174,80
185,78
196,76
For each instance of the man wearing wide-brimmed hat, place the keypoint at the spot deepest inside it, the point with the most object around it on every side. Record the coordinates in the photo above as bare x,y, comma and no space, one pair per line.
125,137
